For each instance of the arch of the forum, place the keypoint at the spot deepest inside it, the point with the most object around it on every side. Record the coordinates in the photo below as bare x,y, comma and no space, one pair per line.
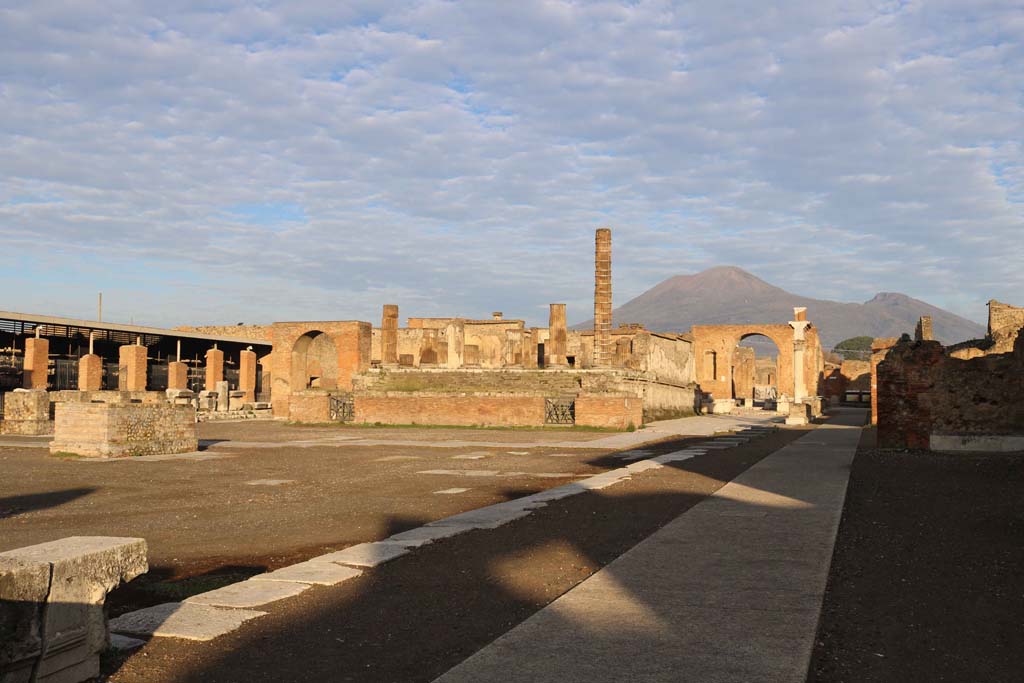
316,356
714,348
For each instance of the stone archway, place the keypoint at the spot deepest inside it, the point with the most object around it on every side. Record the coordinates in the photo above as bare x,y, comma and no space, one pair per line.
314,362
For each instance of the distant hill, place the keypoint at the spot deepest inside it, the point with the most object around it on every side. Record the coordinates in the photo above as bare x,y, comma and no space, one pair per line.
729,295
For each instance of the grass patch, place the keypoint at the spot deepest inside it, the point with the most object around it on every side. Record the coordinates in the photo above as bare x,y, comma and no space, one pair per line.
175,591
67,455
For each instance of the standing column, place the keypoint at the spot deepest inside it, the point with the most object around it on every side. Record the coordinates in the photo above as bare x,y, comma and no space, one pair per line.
799,326
36,371
247,374
131,372
558,337
455,335
90,370
214,368
603,298
389,335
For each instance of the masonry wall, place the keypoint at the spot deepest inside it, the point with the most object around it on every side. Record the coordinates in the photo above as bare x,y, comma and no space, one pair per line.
113,430
310,406
923,394
1004,325
446,409
536,382
612,412
258,333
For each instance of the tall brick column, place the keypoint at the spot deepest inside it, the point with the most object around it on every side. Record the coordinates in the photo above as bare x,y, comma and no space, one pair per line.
389,335
90,373
177,375
603,298
214,368
923,331
35,371
131,372
247,374
558,337
880,348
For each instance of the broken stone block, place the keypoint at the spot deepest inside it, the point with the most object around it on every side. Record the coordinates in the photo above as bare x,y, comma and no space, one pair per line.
24,585
223,399
80,571
799,414
27,412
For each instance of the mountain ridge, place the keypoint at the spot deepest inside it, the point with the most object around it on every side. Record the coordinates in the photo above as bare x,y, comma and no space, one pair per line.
729,295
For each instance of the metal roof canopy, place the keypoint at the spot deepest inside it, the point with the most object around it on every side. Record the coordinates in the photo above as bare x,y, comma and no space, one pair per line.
127,329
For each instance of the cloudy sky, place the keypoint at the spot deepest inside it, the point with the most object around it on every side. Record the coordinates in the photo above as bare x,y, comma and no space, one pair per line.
235,161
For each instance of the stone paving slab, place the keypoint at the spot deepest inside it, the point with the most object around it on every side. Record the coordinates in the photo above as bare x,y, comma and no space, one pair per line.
366,554
182,620
314,571
249,593
428,534
730,590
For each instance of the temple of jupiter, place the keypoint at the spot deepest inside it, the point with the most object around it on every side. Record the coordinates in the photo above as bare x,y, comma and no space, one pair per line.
603,349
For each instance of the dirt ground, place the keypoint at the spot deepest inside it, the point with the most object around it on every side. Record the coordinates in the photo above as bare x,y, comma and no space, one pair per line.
926,581
416,617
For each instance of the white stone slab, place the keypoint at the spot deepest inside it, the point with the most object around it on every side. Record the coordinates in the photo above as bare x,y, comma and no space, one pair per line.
422,535
249,593
558,492
518,452
182,620
269,482
462,473
451,491
643,465
469,456
366,554
393,458
315,571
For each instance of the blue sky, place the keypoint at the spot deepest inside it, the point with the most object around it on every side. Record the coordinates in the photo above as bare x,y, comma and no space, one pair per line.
231,161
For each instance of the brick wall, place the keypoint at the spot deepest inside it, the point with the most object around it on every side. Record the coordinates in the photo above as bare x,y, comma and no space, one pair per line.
446,409
309,406
114,430
1004,324
923,392
615,412
535,382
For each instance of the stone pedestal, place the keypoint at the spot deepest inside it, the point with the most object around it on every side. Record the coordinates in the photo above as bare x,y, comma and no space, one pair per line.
177,375
799,414
90,373
117,430
35,371
27,413
722,406
214,368
131,375
247,374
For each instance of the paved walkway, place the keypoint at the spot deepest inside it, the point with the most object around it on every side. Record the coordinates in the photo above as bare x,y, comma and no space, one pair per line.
729,591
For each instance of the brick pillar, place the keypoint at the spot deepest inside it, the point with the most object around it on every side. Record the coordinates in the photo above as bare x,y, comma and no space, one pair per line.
247,374
389,335
923,332
214,368
35,371
514,348
558,337
90,373
177,375
603,298
880,348
131,372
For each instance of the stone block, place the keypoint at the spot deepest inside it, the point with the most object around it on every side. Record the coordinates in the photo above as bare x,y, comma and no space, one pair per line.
799,414
90,373
132,368
186,620
27,413
177,375
36,369
113,430
79,572
722,406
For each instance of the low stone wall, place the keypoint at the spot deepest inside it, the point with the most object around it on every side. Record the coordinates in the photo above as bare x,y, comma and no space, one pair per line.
309,406
661,401
929,400
27,413
113,430
613,412
107,396
52,622
447,409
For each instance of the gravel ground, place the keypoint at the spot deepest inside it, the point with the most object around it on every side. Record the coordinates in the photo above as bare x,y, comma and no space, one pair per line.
926,581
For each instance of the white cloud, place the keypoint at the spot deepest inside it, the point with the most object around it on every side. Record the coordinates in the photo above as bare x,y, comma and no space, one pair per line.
456,156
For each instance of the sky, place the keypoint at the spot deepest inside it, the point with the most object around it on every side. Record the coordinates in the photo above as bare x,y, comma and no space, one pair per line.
223,162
